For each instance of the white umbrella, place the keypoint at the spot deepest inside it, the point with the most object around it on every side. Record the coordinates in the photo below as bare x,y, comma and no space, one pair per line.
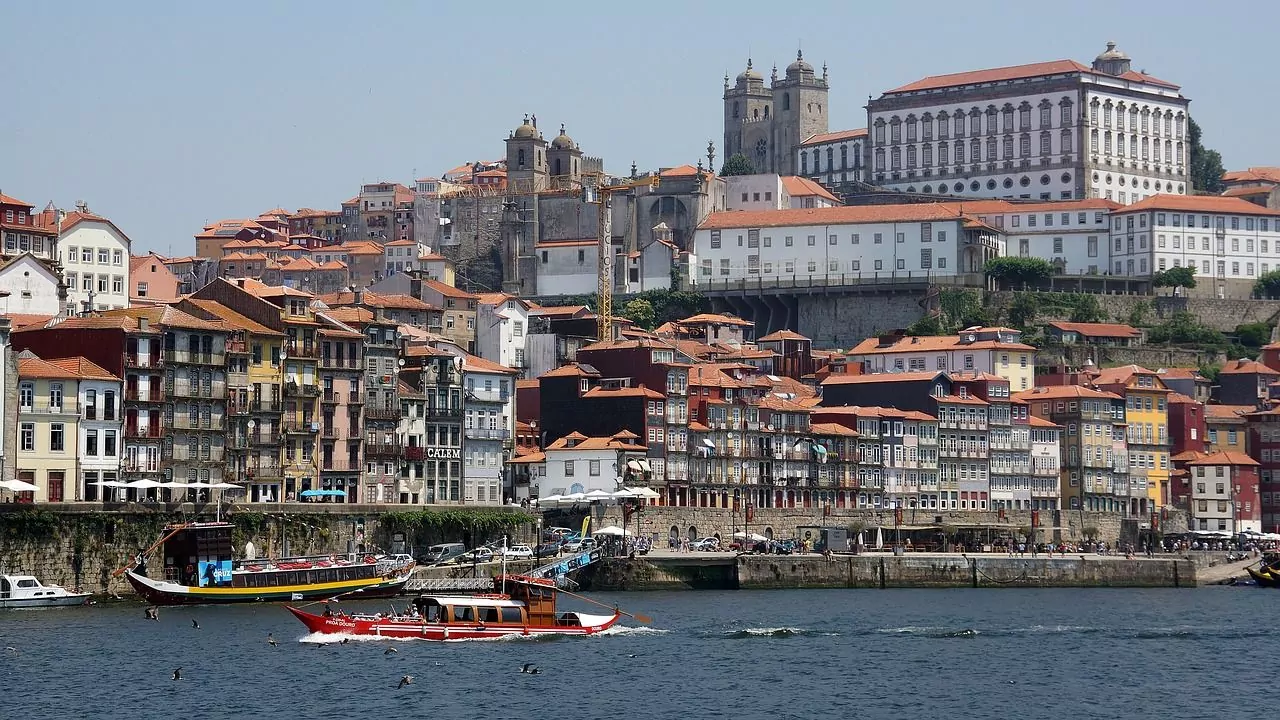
879,538
199,485
143,484
111,483
227,486
19,486
624,494
756,537
644,492
598,495
550,500
611,530
574,497
173,484
740,534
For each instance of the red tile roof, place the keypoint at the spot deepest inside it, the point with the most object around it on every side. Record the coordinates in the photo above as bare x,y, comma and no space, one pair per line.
1016,72
447,290
74,218
797,186
1198,203
1053,392
1261,173
1248,191
599,392
1246,367
833,215
1225,457
713,319
10,200
84,369
781,335
834,136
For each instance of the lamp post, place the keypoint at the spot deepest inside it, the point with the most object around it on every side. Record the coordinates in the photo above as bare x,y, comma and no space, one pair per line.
250,426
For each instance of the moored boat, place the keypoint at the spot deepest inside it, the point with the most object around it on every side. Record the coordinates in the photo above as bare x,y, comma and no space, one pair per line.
529,608
25,591
1265,575
198,569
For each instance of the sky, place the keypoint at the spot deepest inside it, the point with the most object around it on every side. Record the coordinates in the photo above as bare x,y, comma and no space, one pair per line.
167,116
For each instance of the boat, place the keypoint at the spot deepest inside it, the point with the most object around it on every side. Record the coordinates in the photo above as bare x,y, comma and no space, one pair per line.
25,591
529,608
198,569
1265,575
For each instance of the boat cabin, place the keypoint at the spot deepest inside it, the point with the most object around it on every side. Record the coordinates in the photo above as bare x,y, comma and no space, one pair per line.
22,586
198,554
532,601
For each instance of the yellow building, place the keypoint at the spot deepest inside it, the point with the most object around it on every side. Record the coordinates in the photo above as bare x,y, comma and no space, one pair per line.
1225,427
996,350
51,450
1146,401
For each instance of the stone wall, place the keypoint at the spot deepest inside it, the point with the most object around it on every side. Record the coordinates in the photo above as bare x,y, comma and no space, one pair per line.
1151,356
1222,315
842,321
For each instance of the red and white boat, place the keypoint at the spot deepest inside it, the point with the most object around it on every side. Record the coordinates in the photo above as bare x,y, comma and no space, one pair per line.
528,608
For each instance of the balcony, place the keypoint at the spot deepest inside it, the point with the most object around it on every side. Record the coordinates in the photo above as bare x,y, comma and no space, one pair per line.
439,413
237,347
266,406
414,453
215,392
383,449
184,454
186,357
293,389
486,433
134,395
302,350
211,423
264,438
381,413
238,408
330,397
493,396
340,465
303,426
142,362
329,432
147,432
261,470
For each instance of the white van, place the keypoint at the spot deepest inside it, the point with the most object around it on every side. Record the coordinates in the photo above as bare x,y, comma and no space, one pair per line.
443,552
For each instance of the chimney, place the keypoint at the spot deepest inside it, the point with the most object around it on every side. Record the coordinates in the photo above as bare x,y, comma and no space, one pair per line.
359,297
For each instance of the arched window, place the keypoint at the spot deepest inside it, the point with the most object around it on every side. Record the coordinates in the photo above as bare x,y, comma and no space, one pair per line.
844,156
786,101
556,170
1008,118
911,156
959,123
520,158
766,111
755,113
831,163
911,128
804,162
736,110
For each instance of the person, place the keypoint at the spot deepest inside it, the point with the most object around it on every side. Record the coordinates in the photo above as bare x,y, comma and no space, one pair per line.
328,610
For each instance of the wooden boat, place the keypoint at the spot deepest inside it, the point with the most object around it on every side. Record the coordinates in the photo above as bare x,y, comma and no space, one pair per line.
25,591
198,569
528,609
1265,576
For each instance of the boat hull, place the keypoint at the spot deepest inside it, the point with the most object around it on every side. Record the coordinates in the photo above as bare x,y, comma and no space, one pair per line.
406,629
68,600
1265,577
160,592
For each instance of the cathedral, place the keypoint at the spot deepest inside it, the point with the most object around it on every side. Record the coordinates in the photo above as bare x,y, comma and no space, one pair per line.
768,124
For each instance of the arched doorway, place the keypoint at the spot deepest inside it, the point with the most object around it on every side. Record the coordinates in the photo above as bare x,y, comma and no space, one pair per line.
768,532
693,533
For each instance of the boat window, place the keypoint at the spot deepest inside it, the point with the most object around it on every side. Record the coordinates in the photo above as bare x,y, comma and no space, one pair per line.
464,614
488,614
433,614
511,615
26,583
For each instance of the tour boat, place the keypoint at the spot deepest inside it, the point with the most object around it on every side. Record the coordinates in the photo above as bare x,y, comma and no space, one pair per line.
1267,574
198,569
528,608
25,591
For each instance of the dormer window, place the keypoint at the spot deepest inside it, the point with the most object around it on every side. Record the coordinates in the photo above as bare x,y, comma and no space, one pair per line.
584,385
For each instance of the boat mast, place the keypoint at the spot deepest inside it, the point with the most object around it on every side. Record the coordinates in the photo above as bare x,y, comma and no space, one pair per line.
504,563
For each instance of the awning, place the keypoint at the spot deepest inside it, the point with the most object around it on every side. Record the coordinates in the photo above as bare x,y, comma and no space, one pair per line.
644,465
324,493
634,466
708,443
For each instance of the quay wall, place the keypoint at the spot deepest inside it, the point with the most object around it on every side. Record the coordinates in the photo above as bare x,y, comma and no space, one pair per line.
770,572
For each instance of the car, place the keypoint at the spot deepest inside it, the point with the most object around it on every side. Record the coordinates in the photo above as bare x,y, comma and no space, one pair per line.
517,552
573,545
707,544
548,549
442,553
479,555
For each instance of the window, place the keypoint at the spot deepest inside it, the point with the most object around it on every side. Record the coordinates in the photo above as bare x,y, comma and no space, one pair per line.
104,256
117,284
926,259
142,287
715,239
55,397
57,437
27,436
724,266
86,256
117,257
593,467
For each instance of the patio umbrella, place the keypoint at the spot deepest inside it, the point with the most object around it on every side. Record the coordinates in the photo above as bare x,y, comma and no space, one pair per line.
598,495
324,493
550,500
624,494
18,486
143,484
756,537
644,492
879,538
227,486
574,497
611,530
199,485
173,484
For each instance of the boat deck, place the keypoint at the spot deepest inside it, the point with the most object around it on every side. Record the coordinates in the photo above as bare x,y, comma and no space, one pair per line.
437,585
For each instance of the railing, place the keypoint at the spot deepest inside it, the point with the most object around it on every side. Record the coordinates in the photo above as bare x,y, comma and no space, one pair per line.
304,350
271,406
142,361
383,449
305,425
301,390
238,347
214,392
184,454
496,396
151,397
264,438
329,432
193,358
263,470
355,398
829,280
487,433
238,408
340,363
188,423
151,431
438,412
329,397
340,465
382,413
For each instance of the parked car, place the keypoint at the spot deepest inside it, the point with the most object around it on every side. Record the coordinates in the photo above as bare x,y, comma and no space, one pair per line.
517,552
707,544
548,549
442,553
573,545
479,555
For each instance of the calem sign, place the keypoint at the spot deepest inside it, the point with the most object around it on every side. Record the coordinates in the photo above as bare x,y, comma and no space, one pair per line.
442,453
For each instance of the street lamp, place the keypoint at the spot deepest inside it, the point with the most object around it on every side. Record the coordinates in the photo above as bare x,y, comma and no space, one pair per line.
249,441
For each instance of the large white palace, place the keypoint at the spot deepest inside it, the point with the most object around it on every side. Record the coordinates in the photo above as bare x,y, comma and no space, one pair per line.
1045,131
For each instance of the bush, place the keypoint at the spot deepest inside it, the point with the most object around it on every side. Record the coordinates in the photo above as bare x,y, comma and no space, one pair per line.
1018,271
1268,285
1175,277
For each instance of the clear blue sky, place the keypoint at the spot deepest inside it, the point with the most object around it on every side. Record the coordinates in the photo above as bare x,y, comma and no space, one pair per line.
165,115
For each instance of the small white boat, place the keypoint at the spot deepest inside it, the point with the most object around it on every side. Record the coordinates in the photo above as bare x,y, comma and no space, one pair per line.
25,591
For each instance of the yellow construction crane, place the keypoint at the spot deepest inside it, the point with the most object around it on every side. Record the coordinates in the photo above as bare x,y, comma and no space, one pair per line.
601,195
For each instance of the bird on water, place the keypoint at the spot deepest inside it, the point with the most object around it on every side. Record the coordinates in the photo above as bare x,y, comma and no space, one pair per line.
271,641
195,623
177,674
406,680
153,613
389,650
530,668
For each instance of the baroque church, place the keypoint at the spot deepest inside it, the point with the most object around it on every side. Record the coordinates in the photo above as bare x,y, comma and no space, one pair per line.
768,124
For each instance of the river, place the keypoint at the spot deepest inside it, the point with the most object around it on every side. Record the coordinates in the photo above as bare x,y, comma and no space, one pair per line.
781,654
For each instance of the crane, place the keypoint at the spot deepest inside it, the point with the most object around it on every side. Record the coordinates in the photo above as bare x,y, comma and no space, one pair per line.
601,196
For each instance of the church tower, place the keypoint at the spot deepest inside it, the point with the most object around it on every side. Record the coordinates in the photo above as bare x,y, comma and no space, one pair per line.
799,111
746,119
565,161
526,159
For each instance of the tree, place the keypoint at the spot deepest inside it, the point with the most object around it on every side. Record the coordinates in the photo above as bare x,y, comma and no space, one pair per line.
1267,286
1175,277
640,312
1019,270
737,164
1206,165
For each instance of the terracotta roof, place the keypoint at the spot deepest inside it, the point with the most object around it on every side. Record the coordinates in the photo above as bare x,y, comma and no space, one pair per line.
831,429
1017,72
334,265
373,299
350,314
875,411
1261,173
448,290
400,243
683,171
599,392
1225,457
74,218
1034,421
583,442
571,370
299,265
552,244
33,368
1098,329
1216,411
1199,203
871,346
1248,191
473,362
261,289
84,369
10,200
23,320
845,379
832,215
834,136
1123,375
1180,373
1177,397
802,186
960,400
781,335
231,317
162,315
714,318
1246,367
529,458
705,376
1053,392
561,310
1187,455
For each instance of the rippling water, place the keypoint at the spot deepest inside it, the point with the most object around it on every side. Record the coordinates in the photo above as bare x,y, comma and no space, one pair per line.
1205,653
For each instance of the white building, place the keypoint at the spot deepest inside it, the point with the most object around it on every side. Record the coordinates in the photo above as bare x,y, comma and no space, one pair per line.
95,261
1221,486
579,464
832,158
996,350
488,422
402,256
502,324
1072,234
842,245
1228,240
568,267
755,192
1049,130
101,418
1046,454
33,288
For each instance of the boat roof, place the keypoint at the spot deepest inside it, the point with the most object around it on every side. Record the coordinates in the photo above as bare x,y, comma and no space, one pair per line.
471,600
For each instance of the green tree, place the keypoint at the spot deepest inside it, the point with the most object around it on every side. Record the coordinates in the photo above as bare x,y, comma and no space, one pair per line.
1013,271
640,312
1267,286
737,164
1175,277
1253,335
1206,164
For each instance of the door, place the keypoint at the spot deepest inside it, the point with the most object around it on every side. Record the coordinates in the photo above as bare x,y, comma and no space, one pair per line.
57,480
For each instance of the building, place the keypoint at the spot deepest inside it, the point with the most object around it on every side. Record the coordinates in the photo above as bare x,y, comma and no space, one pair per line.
1264,444
151,280
767,125
576,463
94,254
25,231
439,376
1095,334
459,311
1229,241
1225,495
1245,382
1225,429
488,407
68,427
1048,131
999,351
1094,463
1046,464
833,158
502,322
1147,415
33,286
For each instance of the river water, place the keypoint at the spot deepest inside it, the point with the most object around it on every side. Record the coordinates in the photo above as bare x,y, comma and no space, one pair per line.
1207,653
